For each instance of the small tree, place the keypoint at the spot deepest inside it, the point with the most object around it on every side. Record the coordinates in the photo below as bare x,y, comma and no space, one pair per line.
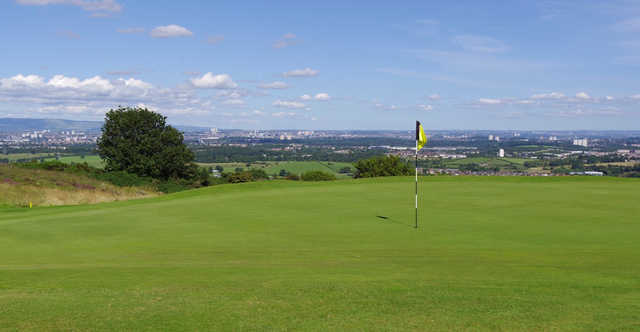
139,141
381,166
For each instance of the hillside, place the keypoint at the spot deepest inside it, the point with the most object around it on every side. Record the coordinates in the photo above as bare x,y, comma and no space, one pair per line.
20,186
490,254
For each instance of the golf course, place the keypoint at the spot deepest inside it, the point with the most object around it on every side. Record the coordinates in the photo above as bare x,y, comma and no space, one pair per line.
490,253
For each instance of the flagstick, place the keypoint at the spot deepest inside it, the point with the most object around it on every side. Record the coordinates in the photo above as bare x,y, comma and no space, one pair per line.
416,184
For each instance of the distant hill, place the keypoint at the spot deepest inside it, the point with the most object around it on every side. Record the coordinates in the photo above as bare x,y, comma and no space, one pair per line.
19,125
15,125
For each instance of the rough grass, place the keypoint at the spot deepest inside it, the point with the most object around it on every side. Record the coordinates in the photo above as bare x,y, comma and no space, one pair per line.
492,254
93,160
20,186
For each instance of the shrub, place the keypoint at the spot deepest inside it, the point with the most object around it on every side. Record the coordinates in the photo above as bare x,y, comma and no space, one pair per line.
240,177
317,176
293,177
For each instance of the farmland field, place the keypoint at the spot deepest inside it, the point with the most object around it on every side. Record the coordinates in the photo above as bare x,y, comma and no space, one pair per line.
510,253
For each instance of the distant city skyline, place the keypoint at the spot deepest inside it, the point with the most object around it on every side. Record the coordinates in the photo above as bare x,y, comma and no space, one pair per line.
521,65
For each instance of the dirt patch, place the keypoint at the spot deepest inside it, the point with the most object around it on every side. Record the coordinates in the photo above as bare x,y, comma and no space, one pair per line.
84,186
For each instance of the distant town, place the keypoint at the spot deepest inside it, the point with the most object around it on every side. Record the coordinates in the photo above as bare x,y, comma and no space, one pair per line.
452,152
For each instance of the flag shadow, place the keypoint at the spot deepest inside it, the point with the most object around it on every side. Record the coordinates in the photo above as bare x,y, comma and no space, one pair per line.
392,220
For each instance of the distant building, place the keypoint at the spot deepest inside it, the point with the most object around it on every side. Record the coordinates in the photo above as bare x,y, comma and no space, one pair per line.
491,137
581,142
501,153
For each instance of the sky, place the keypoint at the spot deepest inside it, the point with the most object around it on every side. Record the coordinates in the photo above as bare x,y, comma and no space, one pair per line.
524,65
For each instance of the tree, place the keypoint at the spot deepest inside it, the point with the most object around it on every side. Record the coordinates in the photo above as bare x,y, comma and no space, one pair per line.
139,141
283,172
381,166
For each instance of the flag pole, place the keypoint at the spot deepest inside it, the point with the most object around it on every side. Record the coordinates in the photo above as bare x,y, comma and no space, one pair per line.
417,134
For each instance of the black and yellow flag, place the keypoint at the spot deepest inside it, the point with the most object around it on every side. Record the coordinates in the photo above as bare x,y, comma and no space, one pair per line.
421,138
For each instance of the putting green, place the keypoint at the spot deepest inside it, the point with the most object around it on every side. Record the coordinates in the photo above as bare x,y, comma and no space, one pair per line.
491,254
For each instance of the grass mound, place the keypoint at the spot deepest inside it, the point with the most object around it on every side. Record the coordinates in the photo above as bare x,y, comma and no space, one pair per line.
20,186
490,254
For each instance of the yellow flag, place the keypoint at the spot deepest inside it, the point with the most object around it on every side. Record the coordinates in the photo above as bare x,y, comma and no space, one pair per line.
421,138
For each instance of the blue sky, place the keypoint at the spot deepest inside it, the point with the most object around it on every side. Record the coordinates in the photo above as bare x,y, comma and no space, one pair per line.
326,65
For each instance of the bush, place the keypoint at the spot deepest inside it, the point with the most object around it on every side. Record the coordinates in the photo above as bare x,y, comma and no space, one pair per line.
258,174
381,166
293,177
172,186
240,177
317,176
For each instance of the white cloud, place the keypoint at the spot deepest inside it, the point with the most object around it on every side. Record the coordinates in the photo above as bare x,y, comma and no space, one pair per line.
386,107
96,6
306,72
130,30
434,96
552,95
288,39
288,104
274,85
234,102
425,107
215,39
489,101
169,31
258,112
283,114
306,97
211,81
322,96
480,44
62,94
608,98
582,95
134,83
635,96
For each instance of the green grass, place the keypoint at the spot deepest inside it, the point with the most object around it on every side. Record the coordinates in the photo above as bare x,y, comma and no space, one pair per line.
490,254
94,161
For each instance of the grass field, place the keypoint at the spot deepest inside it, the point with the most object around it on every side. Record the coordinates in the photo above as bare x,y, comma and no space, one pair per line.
516,163
491,254
294,167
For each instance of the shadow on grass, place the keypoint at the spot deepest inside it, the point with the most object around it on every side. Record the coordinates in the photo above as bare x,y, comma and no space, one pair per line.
394,221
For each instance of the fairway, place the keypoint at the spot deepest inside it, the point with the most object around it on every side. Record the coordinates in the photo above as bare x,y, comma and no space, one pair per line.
491,253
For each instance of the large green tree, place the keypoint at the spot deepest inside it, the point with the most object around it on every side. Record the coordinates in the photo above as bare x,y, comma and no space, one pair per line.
139,141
